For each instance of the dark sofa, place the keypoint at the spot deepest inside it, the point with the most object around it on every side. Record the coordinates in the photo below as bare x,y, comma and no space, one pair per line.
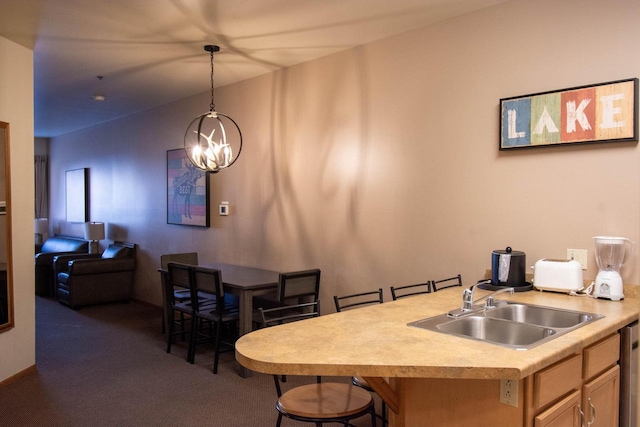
90,279
52,247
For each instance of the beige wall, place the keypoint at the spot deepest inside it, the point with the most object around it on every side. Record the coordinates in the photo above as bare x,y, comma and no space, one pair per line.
17,346
380,164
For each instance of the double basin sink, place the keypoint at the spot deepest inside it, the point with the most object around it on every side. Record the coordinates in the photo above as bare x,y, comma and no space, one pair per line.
509,324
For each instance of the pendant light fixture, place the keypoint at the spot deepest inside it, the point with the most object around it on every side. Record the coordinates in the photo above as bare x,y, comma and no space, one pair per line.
210,144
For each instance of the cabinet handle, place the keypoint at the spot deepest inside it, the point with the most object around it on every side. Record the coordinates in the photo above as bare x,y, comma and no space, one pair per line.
593,413
581,416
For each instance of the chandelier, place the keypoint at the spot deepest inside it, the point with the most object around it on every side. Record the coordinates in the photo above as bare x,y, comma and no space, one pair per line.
208,144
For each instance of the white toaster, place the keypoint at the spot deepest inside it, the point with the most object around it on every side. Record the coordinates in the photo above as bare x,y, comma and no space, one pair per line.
558,275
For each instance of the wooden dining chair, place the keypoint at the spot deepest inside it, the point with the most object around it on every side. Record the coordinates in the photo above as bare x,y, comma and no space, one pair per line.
179,294
220,312
319,402
178,275
446,283
293,288
398,292
348,302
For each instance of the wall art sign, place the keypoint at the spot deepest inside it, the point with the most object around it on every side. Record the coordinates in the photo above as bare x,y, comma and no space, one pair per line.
187,191
605,112
76,193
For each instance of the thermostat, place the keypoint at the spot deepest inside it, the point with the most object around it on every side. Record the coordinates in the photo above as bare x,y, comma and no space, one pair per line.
223,209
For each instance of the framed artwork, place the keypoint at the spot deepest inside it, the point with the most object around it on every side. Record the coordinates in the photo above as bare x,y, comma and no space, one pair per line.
76,193
187,191
604,112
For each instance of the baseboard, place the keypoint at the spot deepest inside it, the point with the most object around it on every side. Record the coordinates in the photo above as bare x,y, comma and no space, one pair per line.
31,369
146,303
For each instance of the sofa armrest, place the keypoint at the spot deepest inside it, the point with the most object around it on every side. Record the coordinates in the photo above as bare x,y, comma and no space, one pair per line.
61,262
47,257
100,265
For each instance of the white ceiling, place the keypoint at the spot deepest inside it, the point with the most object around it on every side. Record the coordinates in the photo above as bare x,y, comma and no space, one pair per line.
150,52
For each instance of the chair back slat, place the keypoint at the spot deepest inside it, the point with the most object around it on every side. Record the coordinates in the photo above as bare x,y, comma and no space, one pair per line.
398,292
299,284
208,280
289,313
447,283
179,274
347,302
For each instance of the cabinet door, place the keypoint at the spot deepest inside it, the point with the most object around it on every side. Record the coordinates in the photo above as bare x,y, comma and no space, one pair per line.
602,396
565,413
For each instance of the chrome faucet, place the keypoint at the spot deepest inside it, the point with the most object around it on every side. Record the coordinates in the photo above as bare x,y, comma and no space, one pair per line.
468,303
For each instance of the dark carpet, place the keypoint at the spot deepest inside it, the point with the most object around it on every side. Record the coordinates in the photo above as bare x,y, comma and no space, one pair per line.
107,366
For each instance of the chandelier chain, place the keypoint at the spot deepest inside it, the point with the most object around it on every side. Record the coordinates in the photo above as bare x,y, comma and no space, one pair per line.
212,106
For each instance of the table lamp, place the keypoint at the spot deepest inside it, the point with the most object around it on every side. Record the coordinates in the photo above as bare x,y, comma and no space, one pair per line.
40,226
93,231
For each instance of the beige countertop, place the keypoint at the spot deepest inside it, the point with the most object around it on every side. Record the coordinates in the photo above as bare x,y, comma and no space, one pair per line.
375,341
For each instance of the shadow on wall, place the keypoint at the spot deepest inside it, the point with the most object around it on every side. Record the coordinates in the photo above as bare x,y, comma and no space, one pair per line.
334,170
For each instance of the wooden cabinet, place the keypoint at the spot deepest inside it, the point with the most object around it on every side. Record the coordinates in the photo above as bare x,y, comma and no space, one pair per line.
565,413
600,399
580,391
556,381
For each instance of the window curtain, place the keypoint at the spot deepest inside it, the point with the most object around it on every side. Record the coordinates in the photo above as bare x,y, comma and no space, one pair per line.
42,186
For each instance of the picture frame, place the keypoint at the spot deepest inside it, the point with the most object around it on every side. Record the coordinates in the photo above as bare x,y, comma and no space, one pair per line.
598,113
76,194
187,191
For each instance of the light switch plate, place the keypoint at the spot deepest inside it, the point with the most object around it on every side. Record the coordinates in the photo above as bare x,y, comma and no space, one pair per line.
579,255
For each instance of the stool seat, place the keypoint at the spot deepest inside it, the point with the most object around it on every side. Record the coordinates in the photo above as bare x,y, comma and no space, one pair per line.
325,401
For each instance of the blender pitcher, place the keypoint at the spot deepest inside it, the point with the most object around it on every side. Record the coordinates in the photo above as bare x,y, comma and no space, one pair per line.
610,257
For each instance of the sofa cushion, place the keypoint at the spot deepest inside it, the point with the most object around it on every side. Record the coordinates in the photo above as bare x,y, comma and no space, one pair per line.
64,244
63,278
117,251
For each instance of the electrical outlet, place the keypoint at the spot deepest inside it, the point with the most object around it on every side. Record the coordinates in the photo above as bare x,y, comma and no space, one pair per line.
509,392
579,255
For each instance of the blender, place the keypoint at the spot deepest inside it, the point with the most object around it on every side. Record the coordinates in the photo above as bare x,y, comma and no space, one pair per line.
610,256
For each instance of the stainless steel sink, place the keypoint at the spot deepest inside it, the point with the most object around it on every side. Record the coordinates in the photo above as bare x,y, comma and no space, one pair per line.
497,331
537,315
510,324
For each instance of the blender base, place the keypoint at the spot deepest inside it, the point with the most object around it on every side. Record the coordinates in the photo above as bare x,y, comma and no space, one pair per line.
608,285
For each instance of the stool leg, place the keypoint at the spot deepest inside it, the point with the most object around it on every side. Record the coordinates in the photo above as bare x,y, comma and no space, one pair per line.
373,416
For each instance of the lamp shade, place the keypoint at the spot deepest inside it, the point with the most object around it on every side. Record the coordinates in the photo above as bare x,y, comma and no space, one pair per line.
94,230
41,225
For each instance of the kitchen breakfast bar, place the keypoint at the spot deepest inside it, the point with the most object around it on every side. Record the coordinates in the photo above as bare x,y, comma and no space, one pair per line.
433,379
